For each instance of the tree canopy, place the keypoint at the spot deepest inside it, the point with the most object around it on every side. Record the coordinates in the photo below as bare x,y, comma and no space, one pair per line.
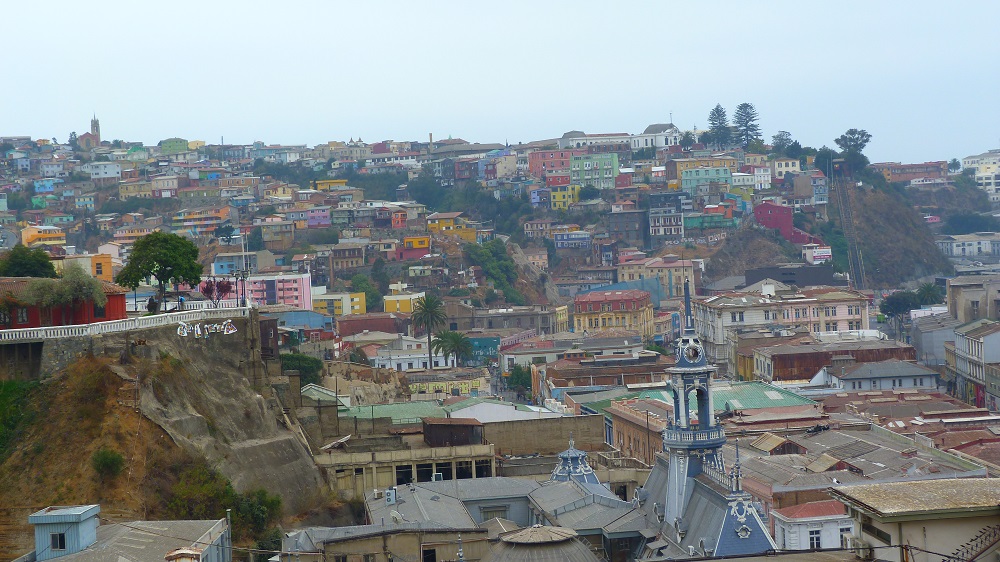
373,298
164,256
309,368
453,344
718,126
780,141
21,261
746,120
852,145
967,223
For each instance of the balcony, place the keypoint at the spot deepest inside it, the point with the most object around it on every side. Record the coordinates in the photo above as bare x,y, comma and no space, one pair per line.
706,437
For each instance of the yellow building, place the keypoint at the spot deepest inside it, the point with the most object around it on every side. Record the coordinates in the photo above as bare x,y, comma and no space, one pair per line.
340,304
452,224
401,302
562,196
98,265
614,310
675,168
35,236
417,243
195,144
327,185
135,188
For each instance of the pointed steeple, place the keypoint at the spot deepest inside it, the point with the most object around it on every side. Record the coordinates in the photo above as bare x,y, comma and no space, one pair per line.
736,476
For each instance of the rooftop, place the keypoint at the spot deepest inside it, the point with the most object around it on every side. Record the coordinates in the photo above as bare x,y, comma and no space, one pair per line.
923,497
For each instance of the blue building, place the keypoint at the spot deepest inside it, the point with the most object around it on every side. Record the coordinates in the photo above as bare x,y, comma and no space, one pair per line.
46,185
74,533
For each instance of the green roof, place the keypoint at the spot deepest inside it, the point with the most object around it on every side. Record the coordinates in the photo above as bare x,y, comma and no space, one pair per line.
400,412
732,396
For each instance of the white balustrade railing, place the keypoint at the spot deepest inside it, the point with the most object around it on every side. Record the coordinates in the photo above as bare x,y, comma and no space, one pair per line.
115,326
132,306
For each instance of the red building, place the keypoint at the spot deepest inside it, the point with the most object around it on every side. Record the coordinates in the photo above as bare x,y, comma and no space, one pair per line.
778,217
14,291
555,179
896,172
467,169
623,180
541,163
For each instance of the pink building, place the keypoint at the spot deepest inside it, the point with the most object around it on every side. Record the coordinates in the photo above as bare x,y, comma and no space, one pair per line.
293,289
318,217
544,162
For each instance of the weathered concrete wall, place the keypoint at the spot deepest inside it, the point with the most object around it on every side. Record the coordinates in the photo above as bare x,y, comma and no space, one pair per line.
204,396
546,436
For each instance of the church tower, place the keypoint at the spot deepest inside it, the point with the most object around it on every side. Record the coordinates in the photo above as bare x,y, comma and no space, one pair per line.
693,440
95,129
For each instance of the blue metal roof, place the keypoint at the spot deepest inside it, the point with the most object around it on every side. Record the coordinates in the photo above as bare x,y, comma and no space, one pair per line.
64,514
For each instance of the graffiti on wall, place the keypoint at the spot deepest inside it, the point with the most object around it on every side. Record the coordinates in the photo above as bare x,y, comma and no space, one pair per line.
204,330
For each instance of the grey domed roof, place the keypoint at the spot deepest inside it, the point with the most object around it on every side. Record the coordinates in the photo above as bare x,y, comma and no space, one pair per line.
540,544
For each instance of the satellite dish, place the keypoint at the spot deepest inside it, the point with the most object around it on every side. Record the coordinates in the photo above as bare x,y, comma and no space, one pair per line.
397,517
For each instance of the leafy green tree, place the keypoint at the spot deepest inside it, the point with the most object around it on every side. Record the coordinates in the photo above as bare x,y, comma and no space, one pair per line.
954,165
746,120
687,140
519,379
589,192
718,125
898,304
309,368
794,150
967,223
852,145
453,344
225,233
358,355
72,142
429,314
164,256
373,298
380,276
255,240
756,146
23,262
780,141
824,160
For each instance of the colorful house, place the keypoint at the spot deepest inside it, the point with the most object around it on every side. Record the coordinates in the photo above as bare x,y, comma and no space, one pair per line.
414,247
35,236
20,314
563,196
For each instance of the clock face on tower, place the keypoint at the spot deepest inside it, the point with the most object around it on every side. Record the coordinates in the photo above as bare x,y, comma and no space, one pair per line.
693,352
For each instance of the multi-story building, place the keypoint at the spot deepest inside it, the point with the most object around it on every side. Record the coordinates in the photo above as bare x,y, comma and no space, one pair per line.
614,310
969,245
278,236
201,222
340,304
671,272
103,173
579,239
674,169
228,263
719,318
696,181
165,187
457,225
629,226
543,162
896,172
292,289
801,361
782,166
972,297
130,233
563,196
401,302
35,236
346,255
543,319
977,345
142,189
664,225
99,266
595,170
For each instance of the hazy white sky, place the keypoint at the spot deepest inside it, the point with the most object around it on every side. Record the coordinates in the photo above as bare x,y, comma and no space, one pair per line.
920,76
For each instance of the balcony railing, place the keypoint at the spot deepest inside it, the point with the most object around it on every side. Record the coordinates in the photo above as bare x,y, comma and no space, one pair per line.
115,326
690,436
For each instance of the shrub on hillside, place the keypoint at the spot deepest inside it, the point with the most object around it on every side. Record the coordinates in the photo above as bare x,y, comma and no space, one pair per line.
108,463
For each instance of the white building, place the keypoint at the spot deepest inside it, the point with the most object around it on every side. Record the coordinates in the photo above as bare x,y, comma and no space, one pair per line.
102,170
406,354
658,135
987,167
971,245
812,525
782,166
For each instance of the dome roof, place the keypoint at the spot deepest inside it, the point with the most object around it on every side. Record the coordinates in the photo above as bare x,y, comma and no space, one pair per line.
540,544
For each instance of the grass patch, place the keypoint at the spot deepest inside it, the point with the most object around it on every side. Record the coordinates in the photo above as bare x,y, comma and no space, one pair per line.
15,413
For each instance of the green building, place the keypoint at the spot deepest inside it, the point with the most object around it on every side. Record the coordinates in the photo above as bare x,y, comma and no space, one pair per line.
173,146
596,170
693,181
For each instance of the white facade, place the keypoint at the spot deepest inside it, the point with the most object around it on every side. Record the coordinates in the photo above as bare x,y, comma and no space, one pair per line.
406,354
811,532
782,166
987,167
488,412
102,170
666,136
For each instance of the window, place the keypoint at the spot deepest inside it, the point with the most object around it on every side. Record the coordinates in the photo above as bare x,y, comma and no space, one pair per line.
815,541
492,512
58,541
22,315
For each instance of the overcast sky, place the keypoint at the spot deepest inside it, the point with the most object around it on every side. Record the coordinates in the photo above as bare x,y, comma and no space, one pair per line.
921,77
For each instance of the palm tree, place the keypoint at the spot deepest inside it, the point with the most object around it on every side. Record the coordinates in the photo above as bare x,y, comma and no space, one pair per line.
429,314
930,293
453,343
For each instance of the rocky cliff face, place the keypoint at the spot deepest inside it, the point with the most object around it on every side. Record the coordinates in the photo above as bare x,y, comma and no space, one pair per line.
204,398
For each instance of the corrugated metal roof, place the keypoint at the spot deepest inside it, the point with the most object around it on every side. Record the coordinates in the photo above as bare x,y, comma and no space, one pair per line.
822,463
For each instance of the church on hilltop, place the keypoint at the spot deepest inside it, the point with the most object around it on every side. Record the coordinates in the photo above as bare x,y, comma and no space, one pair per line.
91,140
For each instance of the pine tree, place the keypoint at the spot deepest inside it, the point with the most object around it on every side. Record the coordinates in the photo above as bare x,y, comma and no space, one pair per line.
745,120
718,125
